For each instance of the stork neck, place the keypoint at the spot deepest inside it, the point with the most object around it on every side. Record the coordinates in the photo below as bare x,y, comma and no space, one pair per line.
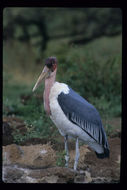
48,85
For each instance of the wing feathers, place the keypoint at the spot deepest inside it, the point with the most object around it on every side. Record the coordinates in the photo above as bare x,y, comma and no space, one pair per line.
89,128
83,114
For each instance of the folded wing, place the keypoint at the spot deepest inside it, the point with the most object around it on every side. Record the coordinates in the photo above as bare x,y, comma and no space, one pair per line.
83,114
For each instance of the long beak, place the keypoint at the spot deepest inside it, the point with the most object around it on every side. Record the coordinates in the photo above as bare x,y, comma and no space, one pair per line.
41,77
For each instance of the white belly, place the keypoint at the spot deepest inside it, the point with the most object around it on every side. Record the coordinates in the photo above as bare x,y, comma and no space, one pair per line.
59,118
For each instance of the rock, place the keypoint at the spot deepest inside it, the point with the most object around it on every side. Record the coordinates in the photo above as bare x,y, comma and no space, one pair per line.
16,174
79,179
50,179
53,175
33,156
103,180
83,177
11,154
88,178
12,174
37,164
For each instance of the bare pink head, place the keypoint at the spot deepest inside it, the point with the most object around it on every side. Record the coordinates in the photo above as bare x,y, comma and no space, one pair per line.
48,71
49,74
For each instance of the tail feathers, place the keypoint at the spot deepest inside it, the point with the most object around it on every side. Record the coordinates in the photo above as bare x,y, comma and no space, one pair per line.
106,154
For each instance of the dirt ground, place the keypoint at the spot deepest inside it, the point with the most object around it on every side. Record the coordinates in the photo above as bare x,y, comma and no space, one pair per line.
109,167
99,170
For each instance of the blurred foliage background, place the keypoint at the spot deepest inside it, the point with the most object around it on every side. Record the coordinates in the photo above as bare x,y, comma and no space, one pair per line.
88,45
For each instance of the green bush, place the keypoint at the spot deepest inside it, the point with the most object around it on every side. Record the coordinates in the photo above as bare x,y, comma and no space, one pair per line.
97,81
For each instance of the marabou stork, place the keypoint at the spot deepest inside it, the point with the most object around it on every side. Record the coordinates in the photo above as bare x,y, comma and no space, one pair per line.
72,114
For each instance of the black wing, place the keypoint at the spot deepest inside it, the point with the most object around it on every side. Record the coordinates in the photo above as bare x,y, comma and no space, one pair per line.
83,114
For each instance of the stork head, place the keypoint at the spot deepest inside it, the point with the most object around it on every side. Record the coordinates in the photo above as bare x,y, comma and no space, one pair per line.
48,71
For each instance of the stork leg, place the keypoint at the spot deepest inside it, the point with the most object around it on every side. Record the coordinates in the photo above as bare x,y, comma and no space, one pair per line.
76,155
66,150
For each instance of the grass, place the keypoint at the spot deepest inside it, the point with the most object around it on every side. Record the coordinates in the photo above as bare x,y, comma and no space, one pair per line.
60,158
82,67
32,112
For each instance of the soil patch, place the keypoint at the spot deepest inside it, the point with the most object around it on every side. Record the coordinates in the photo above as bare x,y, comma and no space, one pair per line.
37,153
109,167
